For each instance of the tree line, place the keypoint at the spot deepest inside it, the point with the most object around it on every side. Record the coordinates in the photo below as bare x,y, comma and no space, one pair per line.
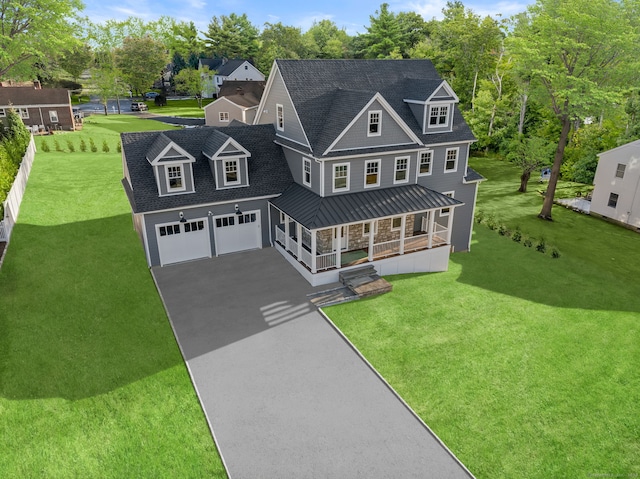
551,86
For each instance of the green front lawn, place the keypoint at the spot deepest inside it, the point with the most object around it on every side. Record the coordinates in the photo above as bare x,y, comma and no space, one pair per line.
524,365
181,108
92,383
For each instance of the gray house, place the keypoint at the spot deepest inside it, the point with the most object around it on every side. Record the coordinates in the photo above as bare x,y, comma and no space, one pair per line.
348,162
237,100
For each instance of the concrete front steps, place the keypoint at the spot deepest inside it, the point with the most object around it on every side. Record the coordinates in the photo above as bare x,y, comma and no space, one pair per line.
358,283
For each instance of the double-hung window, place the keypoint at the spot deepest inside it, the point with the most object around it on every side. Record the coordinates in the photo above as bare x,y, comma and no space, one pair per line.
306,171
174,178
280,117
613,200
231,174
451,160
24,113
374,128
438,116
425,163
371,173
224,116
341,177
53,116
401,174
396,223
620,170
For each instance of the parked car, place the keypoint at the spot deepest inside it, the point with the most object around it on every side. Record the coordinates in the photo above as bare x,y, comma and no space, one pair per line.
150,95
139,106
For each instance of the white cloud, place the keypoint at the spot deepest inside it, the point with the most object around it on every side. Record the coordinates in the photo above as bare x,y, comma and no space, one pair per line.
306,22
428,10
433,8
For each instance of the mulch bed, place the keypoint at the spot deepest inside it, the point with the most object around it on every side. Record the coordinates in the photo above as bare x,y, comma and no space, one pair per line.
3,245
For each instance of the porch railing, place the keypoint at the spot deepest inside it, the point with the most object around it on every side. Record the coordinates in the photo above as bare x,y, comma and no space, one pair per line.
325,261
3,232
280,237
413,243
305,257
386,249
439,235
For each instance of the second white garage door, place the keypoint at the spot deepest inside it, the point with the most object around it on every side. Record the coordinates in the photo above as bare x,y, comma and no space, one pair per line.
237,232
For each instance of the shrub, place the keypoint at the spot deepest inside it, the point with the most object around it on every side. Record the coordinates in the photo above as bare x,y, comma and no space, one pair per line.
555,253
83,145
491,222
517,235
70,146
105,146
44,146
56,145
92,145
503,231
479,216
527,242
119,147
541,246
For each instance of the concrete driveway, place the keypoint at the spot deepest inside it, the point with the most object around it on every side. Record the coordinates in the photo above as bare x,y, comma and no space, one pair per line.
285,395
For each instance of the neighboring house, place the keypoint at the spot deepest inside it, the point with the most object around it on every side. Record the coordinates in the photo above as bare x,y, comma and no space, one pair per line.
348,162
41,109
221,70
237,100
616,192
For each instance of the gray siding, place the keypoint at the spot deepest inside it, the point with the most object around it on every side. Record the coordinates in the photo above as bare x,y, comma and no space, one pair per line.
294,160
418,113
278,95
212,114
187,176
242,168
443,128
153,219
356,136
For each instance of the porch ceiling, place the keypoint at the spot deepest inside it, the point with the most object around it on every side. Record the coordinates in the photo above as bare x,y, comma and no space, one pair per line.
315,212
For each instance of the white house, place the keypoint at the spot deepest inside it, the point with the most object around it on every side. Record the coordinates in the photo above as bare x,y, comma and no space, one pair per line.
221,69
616,193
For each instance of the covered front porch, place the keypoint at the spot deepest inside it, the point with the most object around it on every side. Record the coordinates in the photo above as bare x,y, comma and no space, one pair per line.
400,230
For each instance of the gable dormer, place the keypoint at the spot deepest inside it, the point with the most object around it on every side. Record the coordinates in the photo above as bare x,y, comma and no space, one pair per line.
172,167
433,106
227,160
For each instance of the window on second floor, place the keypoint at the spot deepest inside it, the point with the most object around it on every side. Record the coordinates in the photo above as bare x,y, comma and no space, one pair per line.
280,117
371,173
374,128
341,177
53,116
231,173
425,163
224,116
620,170
438,116
306,171
451,160
613,200
175,179
401,174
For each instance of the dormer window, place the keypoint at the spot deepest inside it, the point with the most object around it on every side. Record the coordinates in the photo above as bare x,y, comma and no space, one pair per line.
231,176
439,116
374,128
175,180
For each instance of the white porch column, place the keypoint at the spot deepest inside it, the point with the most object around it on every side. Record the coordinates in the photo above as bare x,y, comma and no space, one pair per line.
338,242
372,234
314,248
403,224
299,236
432,215
450,225
286,233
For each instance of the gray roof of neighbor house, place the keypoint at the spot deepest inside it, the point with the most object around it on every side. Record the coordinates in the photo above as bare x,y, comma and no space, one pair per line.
243,93
313,211
22,96
328,94
222,66
269,173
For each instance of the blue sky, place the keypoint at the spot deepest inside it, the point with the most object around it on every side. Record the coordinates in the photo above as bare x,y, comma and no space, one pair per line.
352,15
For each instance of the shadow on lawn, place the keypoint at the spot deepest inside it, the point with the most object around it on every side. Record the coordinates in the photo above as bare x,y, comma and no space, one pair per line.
498,264
80,313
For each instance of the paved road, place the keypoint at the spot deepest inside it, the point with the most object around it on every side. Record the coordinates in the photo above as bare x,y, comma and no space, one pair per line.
285,394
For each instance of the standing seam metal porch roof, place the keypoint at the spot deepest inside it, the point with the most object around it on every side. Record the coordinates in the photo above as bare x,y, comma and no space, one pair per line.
315,212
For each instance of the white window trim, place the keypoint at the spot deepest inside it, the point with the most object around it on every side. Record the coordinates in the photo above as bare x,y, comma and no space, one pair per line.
305,162
398,228
366,164
52,114
375,228
369,115
223,116
3,113
446,155
438,106
182,176
420,153
333,182
224,172
609,200
450,194
624,170
395,170
24,113
282,221
279,117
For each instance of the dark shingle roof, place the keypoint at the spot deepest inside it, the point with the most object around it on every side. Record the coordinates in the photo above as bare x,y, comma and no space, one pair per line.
268,170
222,66
22,96
313,211
314,84
472,175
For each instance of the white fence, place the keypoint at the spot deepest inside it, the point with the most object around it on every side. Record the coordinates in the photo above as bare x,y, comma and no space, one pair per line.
14,198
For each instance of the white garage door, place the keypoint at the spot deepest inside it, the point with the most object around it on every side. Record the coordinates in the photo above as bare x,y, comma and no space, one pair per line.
179,242
238,232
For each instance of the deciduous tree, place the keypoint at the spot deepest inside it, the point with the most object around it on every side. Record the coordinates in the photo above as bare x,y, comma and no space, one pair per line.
141,61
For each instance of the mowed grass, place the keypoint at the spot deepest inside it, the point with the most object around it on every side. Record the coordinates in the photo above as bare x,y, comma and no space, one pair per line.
182,108
524,365
92,383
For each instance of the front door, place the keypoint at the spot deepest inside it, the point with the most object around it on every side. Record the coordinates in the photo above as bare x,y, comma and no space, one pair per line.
340,237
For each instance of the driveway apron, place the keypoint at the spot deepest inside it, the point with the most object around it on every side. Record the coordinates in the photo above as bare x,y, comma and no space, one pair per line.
285,395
